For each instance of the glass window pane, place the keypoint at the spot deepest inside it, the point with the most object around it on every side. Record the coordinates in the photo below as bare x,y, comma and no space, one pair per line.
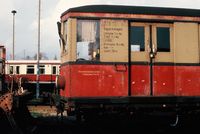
30,69
163,39
17,69
88,39
54,70
11,70
42,69
137,38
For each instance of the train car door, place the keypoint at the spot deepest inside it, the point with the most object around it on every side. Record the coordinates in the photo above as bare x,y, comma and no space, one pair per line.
151,52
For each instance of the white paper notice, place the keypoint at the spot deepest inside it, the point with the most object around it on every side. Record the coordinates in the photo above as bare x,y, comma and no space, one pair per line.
135,47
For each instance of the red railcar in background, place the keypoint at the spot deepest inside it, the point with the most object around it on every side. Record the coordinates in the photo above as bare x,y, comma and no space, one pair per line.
126,58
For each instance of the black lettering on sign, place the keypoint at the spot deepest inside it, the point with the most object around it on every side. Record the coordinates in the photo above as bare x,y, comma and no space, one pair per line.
113,36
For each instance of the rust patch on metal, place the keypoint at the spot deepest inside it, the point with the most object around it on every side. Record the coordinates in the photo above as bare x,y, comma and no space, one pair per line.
6,102
132,16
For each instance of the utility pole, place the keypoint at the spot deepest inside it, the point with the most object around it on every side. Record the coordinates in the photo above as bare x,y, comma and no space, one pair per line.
38,54
13,50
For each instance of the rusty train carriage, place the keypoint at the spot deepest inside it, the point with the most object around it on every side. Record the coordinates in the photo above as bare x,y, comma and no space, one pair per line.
130,56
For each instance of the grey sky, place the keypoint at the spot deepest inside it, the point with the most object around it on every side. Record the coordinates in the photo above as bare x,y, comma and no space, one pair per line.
27,18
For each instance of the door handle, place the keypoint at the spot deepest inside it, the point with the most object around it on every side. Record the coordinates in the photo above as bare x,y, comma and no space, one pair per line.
120,68
153,51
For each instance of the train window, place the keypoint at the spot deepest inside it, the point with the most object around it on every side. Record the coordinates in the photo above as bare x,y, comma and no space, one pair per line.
11,70
163,39
54,70
42,69
17,69
88,39
65,36
30,69
137,38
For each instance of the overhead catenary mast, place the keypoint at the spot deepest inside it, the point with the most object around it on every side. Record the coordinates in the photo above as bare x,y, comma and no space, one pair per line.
38,54
13,50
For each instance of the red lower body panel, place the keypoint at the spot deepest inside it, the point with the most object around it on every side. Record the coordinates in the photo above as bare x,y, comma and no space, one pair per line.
111,80
163,81
95,80
140,80
187,80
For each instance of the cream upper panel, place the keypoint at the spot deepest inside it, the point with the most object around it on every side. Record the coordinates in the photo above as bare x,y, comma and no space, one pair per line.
68,51
186,42
199,43
113,40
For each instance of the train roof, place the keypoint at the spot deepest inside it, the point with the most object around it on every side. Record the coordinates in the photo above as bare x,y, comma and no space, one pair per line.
135,10
32,61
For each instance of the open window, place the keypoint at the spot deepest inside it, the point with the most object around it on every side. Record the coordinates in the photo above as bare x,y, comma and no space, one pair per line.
88,40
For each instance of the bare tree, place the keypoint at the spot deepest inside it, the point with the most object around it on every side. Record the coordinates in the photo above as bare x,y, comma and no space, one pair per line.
55,58
28,57
42,56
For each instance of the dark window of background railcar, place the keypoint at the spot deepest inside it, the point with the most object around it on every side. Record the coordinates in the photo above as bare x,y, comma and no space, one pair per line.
54,70
163,39
88,34
30,69
17,69
137,38
42,69
11,70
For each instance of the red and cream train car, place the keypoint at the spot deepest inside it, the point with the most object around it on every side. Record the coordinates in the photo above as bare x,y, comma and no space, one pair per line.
129,57
27,69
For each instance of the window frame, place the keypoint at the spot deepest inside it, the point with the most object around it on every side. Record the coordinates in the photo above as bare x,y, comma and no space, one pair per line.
30,67
11,69
17,69
163,56
95,54
157,39
54,71
131,34
42,69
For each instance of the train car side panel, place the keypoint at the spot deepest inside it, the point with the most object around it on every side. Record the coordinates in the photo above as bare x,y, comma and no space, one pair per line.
99,80
163,81
187,80
140,80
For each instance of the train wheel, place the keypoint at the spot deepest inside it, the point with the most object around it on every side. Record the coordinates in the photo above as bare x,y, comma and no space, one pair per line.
175,122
